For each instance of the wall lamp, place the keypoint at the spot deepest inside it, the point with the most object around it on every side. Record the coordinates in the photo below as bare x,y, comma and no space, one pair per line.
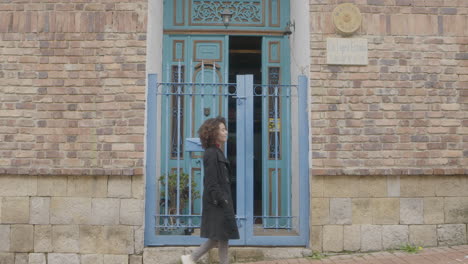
290,27
226,16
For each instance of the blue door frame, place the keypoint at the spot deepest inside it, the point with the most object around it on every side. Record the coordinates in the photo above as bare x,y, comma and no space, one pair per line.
245,164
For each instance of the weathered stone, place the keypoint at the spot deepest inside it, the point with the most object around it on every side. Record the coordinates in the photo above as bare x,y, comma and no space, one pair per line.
87,186
134,259
333,238
52,186
138,187
246,255
58,258
42,238
372,186
320,211
7,258
169,255
65,238
213,256
15,210
105,211
92,259
92,239
316,238
107,239
21,258
18,185
131,212
394,236
352,237
37,258
411,211
371,237
393,185
341,186
423,235
39,210
70,210
362,211
385,211
139,239
316,186
433,210
340,211
120,186
417,186
456,210
451,186
22,238
452,234
4,238
115,259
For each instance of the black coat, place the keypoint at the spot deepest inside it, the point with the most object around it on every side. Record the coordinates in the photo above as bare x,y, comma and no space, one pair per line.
218,219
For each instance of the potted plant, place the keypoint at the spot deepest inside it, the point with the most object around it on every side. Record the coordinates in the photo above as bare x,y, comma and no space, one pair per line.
172,194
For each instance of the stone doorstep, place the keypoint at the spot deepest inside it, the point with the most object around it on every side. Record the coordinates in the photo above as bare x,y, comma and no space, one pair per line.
171,255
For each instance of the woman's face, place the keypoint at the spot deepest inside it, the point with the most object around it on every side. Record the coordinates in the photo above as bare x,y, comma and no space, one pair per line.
222,134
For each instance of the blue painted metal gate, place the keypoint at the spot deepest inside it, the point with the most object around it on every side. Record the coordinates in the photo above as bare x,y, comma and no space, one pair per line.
174,171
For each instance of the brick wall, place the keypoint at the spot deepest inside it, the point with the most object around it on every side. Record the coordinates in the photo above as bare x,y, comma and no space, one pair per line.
406,111
72,87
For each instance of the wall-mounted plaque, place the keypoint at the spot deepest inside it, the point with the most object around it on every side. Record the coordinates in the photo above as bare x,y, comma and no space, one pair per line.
347,51
346,18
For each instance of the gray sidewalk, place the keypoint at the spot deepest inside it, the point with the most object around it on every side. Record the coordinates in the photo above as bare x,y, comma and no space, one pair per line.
439,255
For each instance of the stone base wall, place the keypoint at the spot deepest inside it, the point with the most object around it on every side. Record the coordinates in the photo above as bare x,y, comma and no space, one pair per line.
71,219
370,213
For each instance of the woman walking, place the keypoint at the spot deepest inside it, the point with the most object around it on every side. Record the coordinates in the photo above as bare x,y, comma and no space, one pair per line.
218,220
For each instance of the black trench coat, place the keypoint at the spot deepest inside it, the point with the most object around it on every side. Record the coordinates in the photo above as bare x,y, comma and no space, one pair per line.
218,219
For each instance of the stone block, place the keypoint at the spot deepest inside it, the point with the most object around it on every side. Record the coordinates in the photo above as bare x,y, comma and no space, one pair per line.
385,211
371,238
316,185
18,185
169,255
131,212
451,234
52,186
15,210
39,210
411,211
451,186
37,258
213,256
393,186
42,238
92,239
394,236
456,210
352,237
423,235
70,210
361,211
372,186
107,239
417,186
115,259
433,210
340,211
320,211
105,211
316,238
65,238
333,238
341,186
245,255
59,258
87,186
21,258
138,187
92,259
22,237
139,239
134,259
5,238
7,258
120,186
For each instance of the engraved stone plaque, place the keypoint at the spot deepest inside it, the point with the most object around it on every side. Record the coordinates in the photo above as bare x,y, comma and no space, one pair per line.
347,51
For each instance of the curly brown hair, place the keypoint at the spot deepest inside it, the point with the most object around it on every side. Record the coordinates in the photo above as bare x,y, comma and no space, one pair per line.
208,131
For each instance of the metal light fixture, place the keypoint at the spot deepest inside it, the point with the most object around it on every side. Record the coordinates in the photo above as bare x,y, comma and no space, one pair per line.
290,27
226,16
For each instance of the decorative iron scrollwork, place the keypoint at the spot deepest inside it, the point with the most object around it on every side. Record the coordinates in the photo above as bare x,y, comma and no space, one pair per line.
243,12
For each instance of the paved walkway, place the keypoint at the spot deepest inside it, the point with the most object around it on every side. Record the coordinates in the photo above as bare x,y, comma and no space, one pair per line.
440,255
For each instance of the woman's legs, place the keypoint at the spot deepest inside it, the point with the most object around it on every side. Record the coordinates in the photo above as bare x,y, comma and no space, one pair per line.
209,244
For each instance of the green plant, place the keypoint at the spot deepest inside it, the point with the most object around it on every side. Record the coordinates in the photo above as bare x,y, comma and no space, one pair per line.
410,248
317,255
184,191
